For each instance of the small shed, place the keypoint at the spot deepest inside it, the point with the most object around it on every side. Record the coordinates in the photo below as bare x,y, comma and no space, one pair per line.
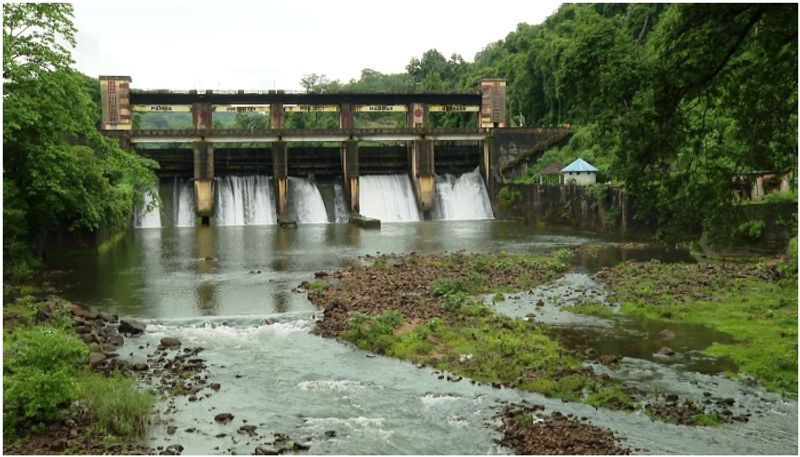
551,174
579,172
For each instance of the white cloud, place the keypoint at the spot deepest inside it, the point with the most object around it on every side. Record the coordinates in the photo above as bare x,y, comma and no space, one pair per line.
257,45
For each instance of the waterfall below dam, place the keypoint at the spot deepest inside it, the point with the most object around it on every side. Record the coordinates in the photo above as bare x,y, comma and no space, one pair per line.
250,200
244,200
462,198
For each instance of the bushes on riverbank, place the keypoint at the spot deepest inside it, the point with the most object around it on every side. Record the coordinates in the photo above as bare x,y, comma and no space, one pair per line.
47,380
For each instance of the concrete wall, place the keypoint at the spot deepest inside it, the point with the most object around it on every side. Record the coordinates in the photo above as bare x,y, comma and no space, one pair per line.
596,207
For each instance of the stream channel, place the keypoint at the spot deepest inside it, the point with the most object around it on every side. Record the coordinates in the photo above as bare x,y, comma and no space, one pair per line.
230,291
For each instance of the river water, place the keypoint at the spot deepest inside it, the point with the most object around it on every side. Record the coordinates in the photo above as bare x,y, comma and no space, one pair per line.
229,290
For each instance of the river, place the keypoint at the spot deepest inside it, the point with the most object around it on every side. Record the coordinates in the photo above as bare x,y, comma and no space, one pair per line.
230,290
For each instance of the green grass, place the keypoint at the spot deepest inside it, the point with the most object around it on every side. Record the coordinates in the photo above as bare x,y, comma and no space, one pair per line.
115,403
761,316
707,420
317,286
488,348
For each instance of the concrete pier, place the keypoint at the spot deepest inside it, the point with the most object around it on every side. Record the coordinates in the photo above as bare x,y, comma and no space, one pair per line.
350,172
204,180
280,176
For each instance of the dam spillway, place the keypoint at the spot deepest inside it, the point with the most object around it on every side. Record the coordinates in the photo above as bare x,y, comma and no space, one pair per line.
250,200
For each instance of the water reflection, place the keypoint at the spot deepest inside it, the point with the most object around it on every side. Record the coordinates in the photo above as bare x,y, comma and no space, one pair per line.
196,271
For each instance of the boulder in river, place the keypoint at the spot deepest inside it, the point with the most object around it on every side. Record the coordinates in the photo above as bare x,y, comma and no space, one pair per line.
170,342
131,326
666,351
223,417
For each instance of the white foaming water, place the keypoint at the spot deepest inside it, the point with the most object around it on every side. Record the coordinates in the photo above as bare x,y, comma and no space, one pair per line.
183,203
431,400
244,200
305,202
464,198
389,198
149,215
340,210
339,386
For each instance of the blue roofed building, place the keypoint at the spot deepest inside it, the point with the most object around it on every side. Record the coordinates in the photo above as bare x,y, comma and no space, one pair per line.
580,173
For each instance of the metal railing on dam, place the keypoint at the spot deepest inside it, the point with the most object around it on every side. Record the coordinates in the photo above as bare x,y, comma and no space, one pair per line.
306,135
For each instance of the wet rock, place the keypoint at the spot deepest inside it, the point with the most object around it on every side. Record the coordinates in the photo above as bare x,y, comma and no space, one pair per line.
496,385
223,417
265,451
556,434
330,433
671,398
320,274
540,303
108,317
96,357
666,351
140,366
300,447
43,315
172,449
192,398
220,435
726,401
666,334
76,310
608,359
91,314
131,326
170,342
215,386
248,429
591,352
171,429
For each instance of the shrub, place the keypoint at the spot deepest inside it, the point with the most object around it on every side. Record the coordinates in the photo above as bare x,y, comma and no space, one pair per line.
32,397
115,403
751,230
447,286
47,349
453,293
375,333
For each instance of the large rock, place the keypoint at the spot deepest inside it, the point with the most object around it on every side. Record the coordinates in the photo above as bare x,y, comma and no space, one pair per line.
131,326
170,342
223,417
666,351
96,357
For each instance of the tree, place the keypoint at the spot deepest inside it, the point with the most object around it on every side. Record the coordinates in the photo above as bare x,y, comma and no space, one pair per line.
59,172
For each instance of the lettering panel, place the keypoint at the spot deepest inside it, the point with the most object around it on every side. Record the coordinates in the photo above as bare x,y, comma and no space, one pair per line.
162,108
240,108
381,108
311,108
453,108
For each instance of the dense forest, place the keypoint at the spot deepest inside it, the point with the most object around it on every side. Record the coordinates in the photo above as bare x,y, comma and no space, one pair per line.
671,101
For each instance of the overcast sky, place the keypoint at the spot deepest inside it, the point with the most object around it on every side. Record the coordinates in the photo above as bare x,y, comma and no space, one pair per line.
269,44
